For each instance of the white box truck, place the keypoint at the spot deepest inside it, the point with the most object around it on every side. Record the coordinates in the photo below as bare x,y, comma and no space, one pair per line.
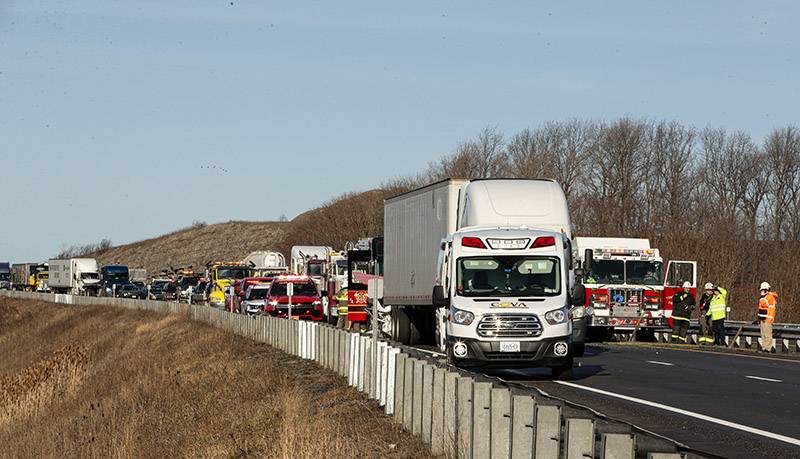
483,268
76,276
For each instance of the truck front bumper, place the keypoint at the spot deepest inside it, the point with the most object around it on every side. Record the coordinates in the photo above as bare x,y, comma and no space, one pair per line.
531,353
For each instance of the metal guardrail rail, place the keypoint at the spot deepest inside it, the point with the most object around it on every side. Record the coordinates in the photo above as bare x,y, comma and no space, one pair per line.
459,415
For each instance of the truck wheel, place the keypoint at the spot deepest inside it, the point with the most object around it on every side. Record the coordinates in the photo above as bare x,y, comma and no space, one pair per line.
563,372
578,349
404,329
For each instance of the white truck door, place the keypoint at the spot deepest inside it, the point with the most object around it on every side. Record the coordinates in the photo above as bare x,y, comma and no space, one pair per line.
679,272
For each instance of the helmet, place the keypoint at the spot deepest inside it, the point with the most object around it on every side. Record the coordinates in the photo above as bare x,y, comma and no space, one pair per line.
765,286
687,284
709,286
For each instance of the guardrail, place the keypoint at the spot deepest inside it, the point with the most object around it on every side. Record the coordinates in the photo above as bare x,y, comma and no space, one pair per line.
458,414
785,337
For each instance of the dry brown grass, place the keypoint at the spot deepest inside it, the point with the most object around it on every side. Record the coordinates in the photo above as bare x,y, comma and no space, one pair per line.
197,245
103,382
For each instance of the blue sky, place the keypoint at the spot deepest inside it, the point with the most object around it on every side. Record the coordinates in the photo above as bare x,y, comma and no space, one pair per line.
128,119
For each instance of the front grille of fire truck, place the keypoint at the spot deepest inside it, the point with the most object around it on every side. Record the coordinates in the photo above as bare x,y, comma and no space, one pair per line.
629,296
509,326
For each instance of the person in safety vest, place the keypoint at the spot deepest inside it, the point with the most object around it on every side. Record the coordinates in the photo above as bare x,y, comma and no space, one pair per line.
682,306
702,318
767,305
717,311
341,300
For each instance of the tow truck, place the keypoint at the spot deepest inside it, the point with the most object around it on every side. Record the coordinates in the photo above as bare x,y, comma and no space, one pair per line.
221,275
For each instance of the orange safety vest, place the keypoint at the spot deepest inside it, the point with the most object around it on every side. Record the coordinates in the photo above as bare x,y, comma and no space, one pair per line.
766,307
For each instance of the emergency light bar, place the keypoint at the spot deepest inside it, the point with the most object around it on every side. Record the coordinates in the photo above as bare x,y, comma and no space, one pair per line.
628,252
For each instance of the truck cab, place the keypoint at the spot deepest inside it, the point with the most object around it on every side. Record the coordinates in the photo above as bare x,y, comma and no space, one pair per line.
508,292
221,276
112,277
5,276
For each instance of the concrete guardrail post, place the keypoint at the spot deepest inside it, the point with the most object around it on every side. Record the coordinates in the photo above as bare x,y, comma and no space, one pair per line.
427,402
481,419
391,373
464,417
408,395
523,426
617,446
580,438
397,408
548,431
500,423
418,395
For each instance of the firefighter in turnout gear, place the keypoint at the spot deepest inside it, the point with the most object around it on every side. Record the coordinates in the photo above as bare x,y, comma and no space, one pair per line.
717,311
767,305
682,306
702,318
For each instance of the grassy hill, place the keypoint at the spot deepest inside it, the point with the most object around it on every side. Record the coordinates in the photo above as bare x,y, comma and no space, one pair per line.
196,245
112,382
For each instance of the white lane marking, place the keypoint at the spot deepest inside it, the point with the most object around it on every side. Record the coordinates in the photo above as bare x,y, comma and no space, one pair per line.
764,379
703,417
661,363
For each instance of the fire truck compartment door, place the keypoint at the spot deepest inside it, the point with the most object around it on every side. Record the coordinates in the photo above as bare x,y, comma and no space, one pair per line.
679,272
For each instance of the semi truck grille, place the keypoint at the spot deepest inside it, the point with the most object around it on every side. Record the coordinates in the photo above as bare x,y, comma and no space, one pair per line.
509,326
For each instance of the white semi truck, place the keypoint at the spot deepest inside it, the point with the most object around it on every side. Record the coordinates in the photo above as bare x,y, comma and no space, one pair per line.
76,276
483,269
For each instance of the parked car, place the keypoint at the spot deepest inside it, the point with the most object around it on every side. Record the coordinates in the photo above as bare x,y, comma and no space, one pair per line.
135,290
157,287
306,301
168,292
254,299
200,293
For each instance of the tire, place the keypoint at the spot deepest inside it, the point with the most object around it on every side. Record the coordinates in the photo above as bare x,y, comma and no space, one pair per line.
578,349
404,329
563,372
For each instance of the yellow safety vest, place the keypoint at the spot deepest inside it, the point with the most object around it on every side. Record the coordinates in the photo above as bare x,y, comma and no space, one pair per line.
717,307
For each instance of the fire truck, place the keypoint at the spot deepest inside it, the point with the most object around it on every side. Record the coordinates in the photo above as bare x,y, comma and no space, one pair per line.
626,284
364,262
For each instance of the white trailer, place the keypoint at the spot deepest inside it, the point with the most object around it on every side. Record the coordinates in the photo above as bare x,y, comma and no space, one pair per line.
76,276
265,262
301,254
483,268
137,275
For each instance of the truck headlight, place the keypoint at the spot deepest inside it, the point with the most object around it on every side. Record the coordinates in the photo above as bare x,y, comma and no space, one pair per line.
556,317
273,303
577,312
461,317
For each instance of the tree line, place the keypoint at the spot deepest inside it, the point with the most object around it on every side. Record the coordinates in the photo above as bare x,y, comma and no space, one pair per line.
712,195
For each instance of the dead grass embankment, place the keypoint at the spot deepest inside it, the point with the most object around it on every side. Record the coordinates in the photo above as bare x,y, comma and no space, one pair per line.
106,382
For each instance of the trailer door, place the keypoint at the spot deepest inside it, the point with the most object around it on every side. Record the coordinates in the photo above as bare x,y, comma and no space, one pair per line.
676,274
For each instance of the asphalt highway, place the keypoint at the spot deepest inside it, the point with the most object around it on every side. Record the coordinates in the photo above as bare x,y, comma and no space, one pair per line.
736,406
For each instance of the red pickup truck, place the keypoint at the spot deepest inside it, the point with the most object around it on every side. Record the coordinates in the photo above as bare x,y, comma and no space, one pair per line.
306,301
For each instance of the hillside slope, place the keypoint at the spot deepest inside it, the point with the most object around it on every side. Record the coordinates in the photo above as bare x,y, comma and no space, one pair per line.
197,245
111,382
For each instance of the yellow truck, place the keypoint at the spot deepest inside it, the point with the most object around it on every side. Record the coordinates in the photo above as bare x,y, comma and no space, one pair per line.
222,275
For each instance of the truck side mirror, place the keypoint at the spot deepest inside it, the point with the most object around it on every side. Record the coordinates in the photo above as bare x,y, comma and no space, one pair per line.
578,295
588,258
439,297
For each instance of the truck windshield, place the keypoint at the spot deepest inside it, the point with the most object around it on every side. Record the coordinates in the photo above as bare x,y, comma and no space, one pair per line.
314,269
3,276
90,275
509,276
258,294
300,289
116,273
233,273
606,272
644,272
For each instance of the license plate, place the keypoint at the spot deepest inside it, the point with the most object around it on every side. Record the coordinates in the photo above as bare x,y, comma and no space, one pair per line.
509,346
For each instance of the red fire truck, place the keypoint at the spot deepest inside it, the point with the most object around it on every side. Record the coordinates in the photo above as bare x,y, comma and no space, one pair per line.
626,284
